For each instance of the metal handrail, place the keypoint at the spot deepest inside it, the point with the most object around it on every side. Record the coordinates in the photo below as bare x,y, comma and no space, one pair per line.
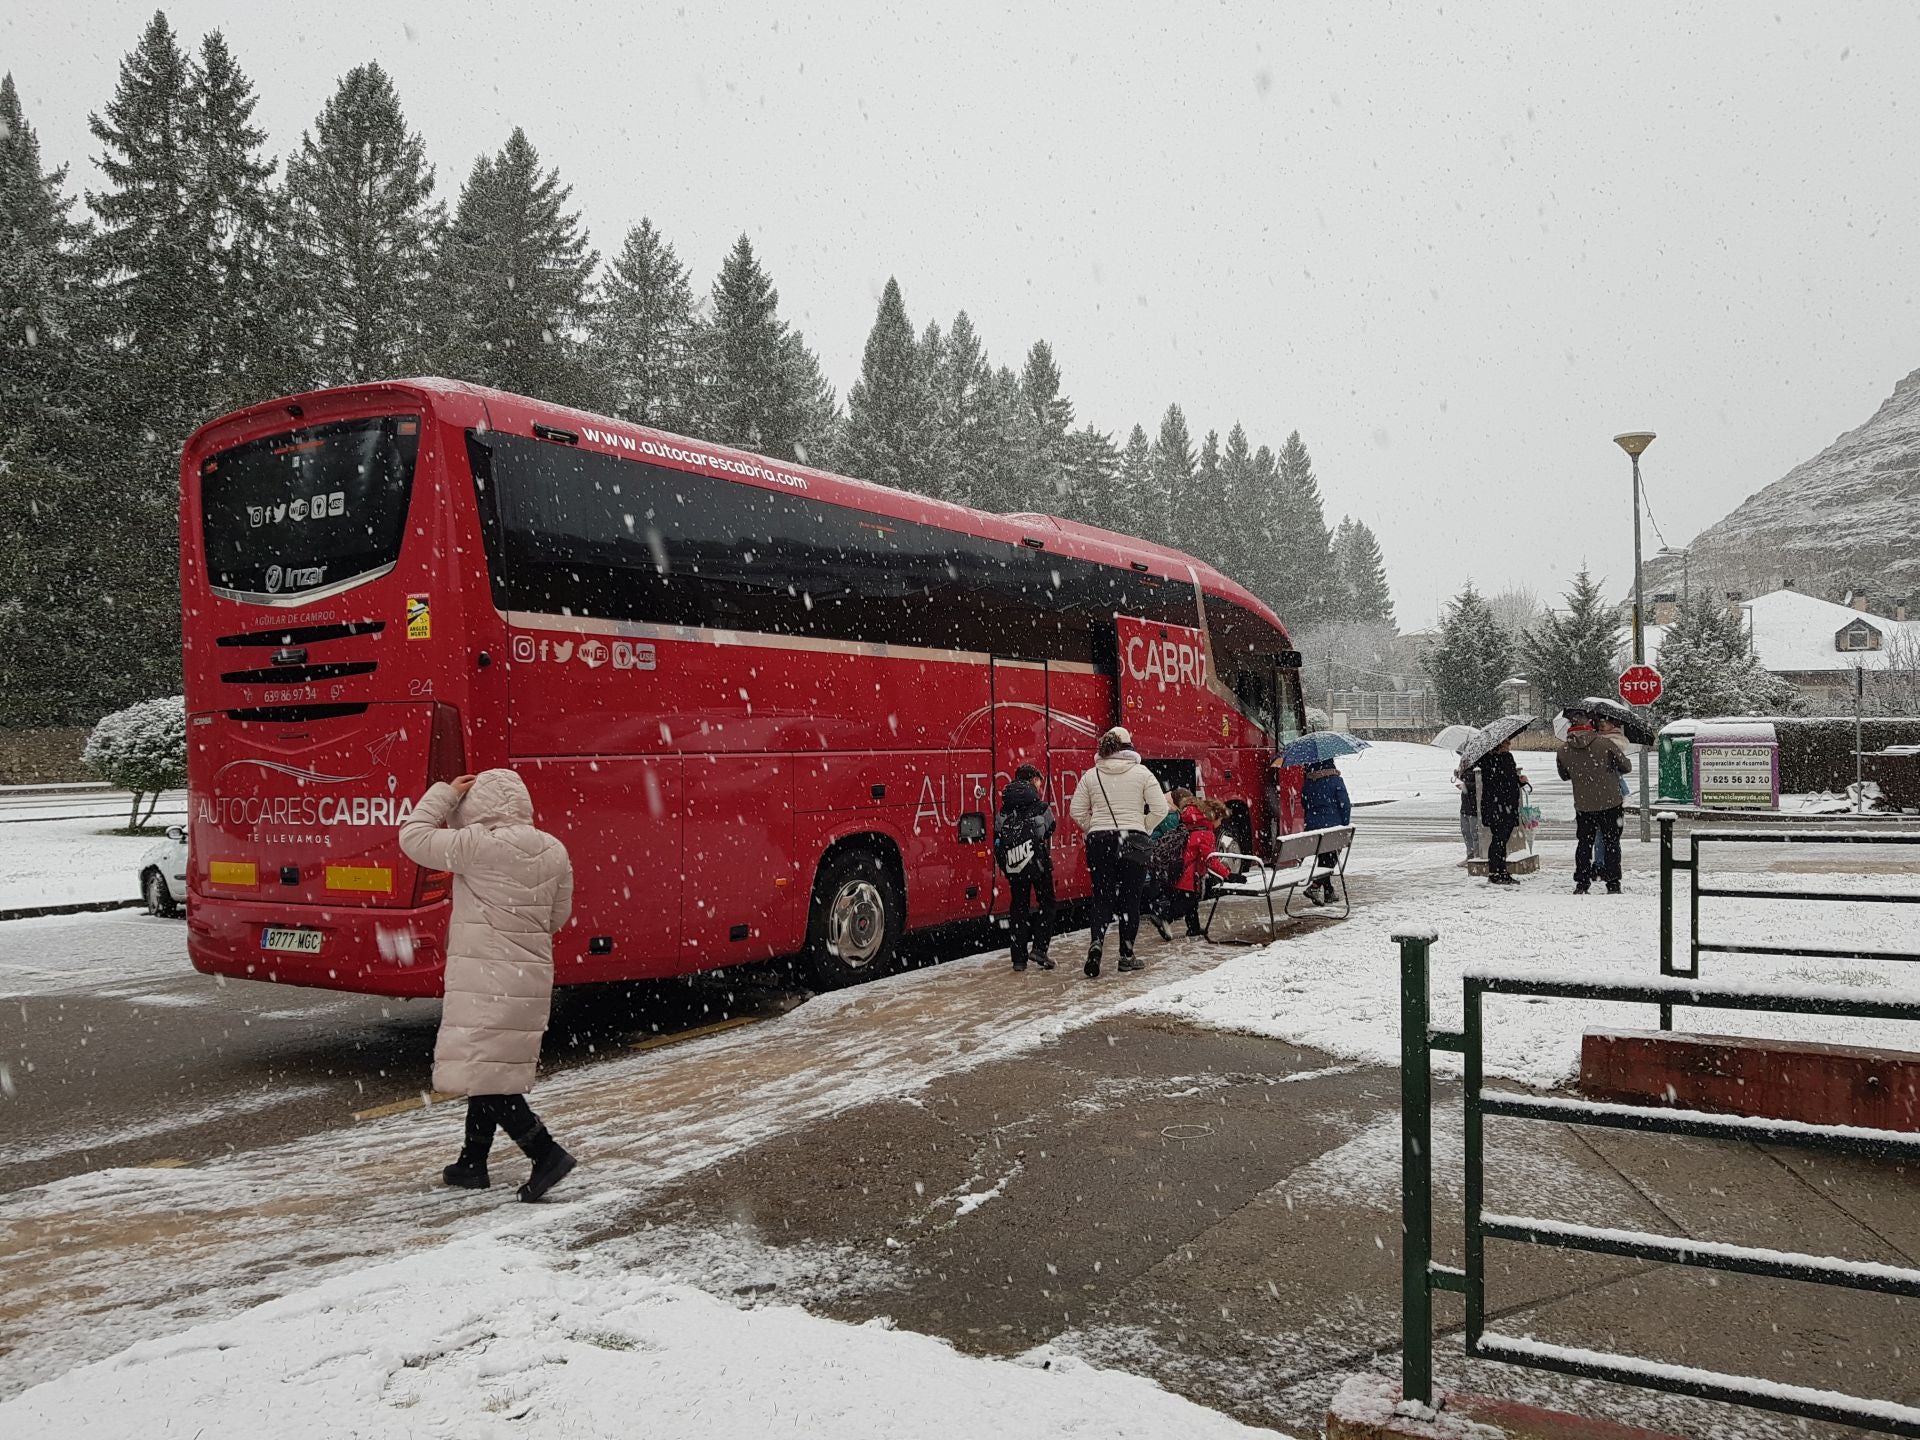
1670,864
1420,1277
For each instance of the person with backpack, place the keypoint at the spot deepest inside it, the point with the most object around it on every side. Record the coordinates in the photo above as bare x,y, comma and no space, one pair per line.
1022,841
1198,869
1117,804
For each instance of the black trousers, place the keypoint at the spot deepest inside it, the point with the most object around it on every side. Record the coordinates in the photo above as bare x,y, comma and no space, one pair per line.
1596,846
1117,882
1498,833
510,1112
1186,906
1030,915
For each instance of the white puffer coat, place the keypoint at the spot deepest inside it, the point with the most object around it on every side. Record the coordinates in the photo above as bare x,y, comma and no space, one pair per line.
512,891
1119,793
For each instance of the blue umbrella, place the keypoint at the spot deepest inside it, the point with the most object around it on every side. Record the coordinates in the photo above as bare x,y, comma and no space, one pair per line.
1320,747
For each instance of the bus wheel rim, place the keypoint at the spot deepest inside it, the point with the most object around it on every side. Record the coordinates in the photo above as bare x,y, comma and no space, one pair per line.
857,923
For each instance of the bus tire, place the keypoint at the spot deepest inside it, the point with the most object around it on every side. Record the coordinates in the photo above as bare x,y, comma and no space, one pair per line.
854,928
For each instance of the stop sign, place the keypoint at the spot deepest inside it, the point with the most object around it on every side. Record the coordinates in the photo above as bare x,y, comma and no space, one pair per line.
1641,685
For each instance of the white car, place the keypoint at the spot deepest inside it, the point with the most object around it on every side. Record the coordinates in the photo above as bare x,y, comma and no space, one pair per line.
163,874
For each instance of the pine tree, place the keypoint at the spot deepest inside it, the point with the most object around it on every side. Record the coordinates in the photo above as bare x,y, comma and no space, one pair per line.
1093,476
645,335
1302,544
1172,487
890,409
969,428
40,292
1234,544
816,426
511,286
1264,530
56,644
1470,661
1044,418
240,341
1133,491
1360,575
361,223
1709,669
763,388
143,251
1570,655
1200,521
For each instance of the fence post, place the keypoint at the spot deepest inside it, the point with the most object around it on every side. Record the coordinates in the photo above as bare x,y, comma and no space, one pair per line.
1416,1169
1666,819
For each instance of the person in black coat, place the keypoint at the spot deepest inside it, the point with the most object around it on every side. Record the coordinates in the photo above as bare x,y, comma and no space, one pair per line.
1501,781
1023,848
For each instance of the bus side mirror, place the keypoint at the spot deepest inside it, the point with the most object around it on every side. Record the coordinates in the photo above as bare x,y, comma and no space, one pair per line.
973,827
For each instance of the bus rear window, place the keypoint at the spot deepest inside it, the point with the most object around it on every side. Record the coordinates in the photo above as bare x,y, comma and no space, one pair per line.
311,509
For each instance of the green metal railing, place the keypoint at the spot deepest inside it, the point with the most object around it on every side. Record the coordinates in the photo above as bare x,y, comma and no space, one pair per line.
1696,892
1421,1277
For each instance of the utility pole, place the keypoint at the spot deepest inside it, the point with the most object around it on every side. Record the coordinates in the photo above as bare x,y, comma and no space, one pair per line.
1634,442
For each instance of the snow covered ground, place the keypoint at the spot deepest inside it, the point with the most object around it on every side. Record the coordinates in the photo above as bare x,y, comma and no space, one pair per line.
54,861
516,1339
382,1305
1337,988
1392,770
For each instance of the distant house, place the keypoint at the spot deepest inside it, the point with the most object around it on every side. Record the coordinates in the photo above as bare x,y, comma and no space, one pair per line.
1814,644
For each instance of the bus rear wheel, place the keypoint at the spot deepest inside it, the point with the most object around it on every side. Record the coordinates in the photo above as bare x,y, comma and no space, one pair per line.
854,930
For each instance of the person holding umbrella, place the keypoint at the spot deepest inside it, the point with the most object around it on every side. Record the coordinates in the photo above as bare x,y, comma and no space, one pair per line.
1323,793
1490,753
1596,764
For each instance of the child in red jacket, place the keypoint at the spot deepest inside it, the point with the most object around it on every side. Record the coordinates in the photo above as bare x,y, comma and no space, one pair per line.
1201,819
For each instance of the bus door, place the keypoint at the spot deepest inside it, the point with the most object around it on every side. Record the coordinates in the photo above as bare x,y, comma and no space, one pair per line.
1019,738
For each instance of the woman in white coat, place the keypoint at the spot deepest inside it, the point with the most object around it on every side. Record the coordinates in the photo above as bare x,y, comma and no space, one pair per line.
512,891
1117,803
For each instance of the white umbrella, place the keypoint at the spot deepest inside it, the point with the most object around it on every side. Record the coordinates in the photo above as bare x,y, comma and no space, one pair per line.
1454,737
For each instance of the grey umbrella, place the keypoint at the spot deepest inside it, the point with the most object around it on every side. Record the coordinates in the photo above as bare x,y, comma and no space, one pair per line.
1636,728
1489,737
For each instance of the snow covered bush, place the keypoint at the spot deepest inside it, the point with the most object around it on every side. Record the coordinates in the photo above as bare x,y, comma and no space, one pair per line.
142,748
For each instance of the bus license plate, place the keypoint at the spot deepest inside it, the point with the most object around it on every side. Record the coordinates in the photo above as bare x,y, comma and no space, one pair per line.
300,942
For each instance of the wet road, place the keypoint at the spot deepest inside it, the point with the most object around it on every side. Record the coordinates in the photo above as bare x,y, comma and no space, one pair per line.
114,1051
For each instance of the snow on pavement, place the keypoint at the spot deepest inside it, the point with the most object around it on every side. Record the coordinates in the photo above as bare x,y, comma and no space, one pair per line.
1336,988
1394,770
205,1241
486,1337
67,954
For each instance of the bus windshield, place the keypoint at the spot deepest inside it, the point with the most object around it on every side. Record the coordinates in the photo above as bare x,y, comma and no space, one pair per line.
310,509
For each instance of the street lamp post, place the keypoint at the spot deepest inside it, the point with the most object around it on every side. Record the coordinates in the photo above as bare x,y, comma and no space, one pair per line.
1634,442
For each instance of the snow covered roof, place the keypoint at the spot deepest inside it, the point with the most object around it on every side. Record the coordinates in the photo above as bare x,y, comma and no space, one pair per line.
1794,631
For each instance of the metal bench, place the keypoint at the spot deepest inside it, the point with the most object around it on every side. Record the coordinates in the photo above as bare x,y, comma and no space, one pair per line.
1293,865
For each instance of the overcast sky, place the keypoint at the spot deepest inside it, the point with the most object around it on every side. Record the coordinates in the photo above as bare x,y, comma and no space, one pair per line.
1456,247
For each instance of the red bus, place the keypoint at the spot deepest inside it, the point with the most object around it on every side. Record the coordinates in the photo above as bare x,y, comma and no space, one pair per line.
768,709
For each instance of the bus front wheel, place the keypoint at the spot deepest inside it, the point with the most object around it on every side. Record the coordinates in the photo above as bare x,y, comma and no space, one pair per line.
856,922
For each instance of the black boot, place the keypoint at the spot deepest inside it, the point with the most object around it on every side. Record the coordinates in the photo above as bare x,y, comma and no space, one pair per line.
1019,961
1159,925
469,1172
1127,961
551,1164
1042,959
1092,967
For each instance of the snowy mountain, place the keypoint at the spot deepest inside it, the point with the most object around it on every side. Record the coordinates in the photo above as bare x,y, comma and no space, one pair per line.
1848,519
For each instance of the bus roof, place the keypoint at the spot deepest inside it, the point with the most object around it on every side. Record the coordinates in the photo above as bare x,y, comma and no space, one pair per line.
470,404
